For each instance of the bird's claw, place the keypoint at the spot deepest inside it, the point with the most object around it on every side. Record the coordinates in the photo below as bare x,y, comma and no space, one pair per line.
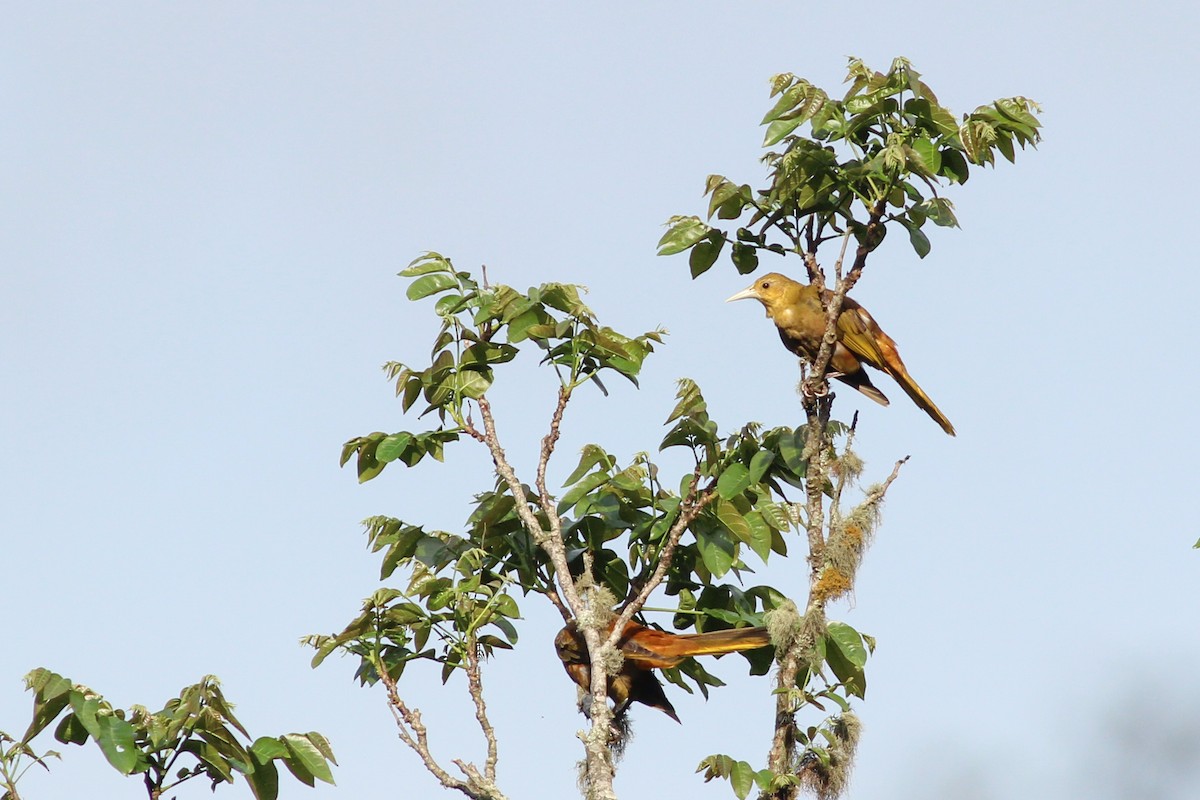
808,390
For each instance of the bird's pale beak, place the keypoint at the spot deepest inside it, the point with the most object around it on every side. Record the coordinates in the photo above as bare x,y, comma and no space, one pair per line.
744,294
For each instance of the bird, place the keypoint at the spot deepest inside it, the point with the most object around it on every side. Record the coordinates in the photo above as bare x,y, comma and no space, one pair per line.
646,649
798,311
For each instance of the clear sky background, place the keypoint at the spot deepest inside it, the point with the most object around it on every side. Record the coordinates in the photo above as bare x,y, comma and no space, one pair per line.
205,205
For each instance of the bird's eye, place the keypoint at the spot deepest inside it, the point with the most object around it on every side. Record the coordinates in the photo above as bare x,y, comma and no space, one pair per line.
765,284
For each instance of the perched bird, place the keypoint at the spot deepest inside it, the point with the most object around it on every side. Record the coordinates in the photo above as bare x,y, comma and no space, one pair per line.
797,312
646,649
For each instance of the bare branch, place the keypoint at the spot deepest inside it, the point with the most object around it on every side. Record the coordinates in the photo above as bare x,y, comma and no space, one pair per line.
877,494
413,733
475,687
555,540
550,541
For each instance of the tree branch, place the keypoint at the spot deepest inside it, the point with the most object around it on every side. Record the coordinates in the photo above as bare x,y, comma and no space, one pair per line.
413,733
550,541
818,403
598,762
475,687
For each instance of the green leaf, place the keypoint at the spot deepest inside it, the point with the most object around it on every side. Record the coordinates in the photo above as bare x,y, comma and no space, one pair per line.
742,779
682,233
264,781
733,481
590,456
116,740
579,490
518,326
976,136
722,192
760,534
691,402
391,447
791,450
920,242
322,745
733,521
51,695
507,606
927,151
1017,110
954,165
71,730
780,128
715,766
430,262
774,514
765,779
1005,146
849,641
449,305
846,657
759,465
307,754
705,253
787,101
431,284
469,383
266,748
716,548
745,258
940,211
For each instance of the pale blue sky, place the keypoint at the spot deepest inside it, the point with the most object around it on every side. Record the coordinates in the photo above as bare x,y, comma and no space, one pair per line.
205,205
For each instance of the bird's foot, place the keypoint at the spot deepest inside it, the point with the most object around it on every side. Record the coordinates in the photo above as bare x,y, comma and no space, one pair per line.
808,390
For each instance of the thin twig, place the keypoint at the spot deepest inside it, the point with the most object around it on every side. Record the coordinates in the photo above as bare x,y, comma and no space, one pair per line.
413,733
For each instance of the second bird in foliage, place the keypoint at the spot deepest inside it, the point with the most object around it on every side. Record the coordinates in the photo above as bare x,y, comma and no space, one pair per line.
645,649
799,313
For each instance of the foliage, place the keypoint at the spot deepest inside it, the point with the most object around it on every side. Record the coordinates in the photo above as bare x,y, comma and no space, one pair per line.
615,514
613,518
879,155
617,530
195,735
12,753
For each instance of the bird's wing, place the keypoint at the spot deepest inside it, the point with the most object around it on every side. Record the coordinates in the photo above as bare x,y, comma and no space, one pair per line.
650,649
861,336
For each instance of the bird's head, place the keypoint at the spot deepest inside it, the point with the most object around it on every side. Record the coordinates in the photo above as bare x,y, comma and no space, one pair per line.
570,645
770,290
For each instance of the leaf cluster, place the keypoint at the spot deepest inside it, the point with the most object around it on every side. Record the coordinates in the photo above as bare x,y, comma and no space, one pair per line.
195,735
482,326
455,606
878,155
12,753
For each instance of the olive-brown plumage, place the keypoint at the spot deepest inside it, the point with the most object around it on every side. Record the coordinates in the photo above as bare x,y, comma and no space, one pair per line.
798,313
645,649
